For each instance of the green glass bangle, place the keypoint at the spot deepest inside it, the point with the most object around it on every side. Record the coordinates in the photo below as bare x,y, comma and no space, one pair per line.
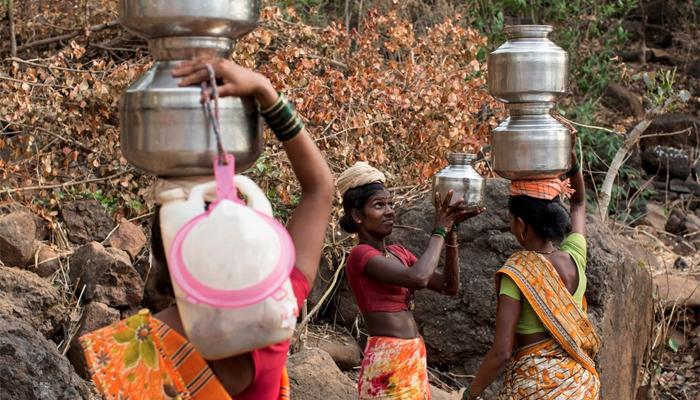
440,231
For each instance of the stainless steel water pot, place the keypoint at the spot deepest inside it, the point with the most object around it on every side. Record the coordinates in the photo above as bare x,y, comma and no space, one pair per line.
153,19
461,177
165,131
531,144
528,67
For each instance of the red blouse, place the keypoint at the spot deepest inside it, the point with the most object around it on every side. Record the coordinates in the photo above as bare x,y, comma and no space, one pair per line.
269,361
371,294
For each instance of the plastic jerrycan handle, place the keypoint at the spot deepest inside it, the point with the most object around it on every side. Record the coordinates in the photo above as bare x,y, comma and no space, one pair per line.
226,185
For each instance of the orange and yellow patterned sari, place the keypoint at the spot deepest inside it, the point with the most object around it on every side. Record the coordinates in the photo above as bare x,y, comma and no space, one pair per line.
557,368
141,358
394,369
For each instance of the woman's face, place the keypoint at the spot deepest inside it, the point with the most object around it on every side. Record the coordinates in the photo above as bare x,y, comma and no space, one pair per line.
377,216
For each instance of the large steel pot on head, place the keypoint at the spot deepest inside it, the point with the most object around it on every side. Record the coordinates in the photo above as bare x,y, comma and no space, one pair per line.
528,67
463,179
165,131
531,144
152,19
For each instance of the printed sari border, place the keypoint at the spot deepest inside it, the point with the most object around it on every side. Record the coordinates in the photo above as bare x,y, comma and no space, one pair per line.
553,325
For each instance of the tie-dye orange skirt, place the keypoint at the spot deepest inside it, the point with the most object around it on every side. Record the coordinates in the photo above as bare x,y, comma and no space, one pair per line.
394,369
546,371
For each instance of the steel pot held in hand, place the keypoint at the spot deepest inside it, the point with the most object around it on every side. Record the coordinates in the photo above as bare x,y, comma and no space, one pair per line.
528,67
531,144
462,178
165,131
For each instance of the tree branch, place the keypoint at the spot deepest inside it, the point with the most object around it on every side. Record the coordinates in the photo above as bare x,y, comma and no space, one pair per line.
13,37
630,141
67,36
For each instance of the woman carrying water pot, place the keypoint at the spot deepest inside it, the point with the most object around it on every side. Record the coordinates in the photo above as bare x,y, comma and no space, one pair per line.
148,357
384,277
543,334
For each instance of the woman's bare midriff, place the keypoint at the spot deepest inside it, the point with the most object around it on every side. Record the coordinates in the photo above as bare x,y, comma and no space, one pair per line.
526,340
398,324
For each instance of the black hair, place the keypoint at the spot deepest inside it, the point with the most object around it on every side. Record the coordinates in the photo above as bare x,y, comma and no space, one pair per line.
548,218
159,273
355,199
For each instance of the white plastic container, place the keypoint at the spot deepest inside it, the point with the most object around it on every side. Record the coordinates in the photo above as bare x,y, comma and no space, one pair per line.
230,267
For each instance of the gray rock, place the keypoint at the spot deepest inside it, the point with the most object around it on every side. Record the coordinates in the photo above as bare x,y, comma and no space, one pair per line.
693,68
669,123
662,161
342,347
107,274
622,99
25,295
32,368
314,376
95,316
676,222
47,260
654,216
128,237
86,221
679,186
17,233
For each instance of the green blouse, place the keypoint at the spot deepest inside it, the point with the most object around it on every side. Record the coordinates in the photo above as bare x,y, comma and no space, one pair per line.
575,246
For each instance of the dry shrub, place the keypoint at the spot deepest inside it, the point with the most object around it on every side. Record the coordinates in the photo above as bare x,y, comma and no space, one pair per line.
381,93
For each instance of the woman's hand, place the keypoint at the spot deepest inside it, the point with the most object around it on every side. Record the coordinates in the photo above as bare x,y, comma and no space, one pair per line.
237,81
445,213
461,215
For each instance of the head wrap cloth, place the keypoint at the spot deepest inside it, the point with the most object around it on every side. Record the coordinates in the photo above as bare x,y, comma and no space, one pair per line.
358,175
546,189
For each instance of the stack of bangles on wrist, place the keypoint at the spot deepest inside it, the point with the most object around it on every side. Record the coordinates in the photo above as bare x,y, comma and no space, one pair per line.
283,119
440,231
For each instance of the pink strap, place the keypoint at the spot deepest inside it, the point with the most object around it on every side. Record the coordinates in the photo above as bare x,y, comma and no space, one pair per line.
225,175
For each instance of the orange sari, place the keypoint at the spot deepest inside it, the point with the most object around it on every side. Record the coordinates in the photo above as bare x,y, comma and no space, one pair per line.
557,368
142,358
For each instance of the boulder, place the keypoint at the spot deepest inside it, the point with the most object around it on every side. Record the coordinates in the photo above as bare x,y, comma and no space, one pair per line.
86,221
670,123
692,224
314,376
439,394
107,274
25,295
17,234
95,316
655,216
622,99
459,330
662,161
342,347
47,260
677,288
128,237
693,68
32,368
676,222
